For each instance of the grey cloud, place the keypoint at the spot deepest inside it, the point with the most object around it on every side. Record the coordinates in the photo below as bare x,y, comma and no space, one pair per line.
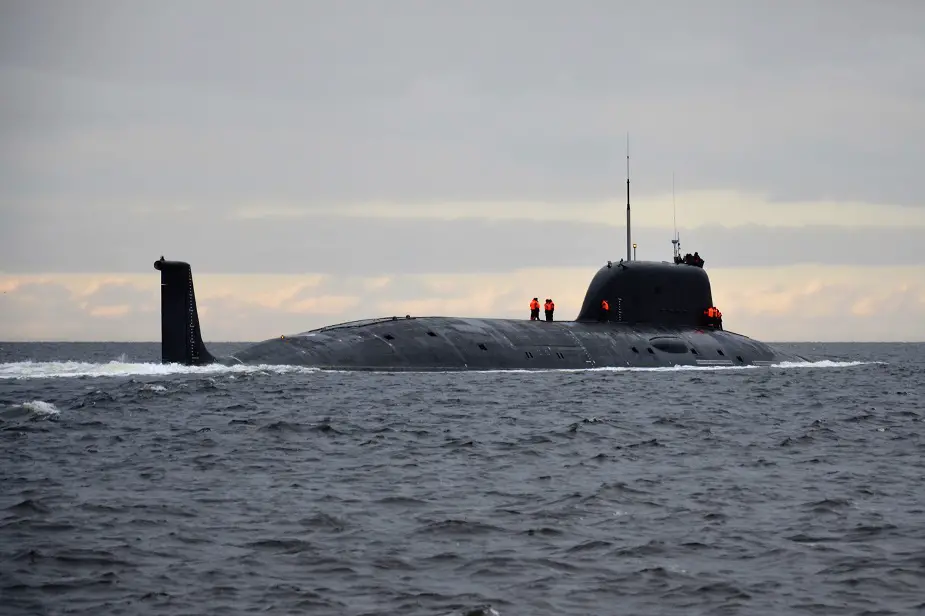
42,294
900,315
329,102
127,242
397,287
761,246
33,310
119,294
330,48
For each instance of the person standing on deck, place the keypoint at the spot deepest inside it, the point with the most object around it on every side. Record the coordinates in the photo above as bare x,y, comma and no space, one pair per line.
549,307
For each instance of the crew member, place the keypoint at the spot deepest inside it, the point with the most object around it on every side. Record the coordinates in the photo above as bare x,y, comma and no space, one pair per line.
549,307
534,309
714,317
605,310
693,259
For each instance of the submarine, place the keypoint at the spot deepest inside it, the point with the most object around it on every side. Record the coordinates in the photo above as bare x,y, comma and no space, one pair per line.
657,318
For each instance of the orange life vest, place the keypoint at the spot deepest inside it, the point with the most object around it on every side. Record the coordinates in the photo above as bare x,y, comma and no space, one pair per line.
534,305
552,305
547,306
605,305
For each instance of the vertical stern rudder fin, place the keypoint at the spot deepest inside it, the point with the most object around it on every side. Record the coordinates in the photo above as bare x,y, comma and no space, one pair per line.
181,338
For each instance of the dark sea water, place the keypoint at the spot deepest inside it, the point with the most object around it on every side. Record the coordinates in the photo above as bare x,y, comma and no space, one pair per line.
134,488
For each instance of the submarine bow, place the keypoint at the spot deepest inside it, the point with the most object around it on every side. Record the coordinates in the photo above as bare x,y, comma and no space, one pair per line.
656,319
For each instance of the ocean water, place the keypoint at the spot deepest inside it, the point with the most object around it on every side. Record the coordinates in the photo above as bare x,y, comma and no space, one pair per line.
129,487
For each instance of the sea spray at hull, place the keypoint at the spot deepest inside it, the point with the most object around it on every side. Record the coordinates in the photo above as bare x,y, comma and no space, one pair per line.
114,369
72,369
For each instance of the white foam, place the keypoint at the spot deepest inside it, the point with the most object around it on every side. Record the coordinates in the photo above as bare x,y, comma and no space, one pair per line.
825,363
70,369
688,368
41,408
675,368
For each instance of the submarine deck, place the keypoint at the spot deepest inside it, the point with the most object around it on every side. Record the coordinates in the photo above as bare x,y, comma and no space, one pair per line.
457,343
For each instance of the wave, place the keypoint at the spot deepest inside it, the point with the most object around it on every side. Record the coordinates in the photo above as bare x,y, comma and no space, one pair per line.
40,408
825,363
31,410
72,369
687,368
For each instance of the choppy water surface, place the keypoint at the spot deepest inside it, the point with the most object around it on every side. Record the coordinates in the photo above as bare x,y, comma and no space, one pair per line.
135,488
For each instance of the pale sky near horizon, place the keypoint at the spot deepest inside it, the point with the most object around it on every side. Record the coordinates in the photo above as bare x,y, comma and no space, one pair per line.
324,161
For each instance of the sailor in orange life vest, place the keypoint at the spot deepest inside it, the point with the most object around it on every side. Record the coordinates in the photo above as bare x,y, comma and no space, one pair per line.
714,318
605,310
534,309
549,307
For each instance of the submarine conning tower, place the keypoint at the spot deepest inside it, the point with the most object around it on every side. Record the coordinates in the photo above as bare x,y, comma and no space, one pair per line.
652,292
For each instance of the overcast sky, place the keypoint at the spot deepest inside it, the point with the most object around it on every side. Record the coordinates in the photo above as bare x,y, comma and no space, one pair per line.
323,161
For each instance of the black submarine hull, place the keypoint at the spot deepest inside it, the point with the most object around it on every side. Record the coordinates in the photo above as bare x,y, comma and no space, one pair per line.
455,344
656,322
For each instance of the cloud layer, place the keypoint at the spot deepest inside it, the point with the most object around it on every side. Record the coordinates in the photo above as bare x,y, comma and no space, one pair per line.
366,246
417,101
781,303
461,157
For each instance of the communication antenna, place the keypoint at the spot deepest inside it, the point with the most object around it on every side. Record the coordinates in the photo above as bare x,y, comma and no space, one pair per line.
629,242
676,241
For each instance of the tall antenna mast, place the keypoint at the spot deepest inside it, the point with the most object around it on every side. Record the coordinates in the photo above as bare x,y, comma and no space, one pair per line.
629,244
676,240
